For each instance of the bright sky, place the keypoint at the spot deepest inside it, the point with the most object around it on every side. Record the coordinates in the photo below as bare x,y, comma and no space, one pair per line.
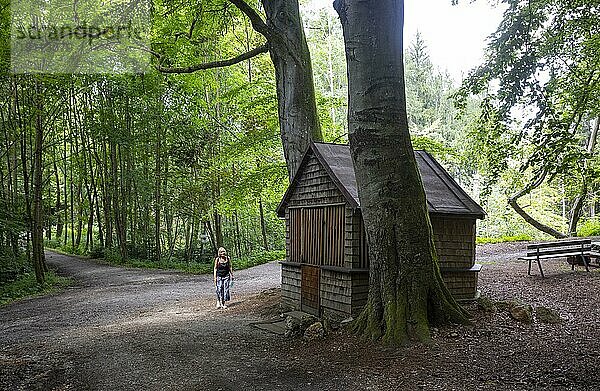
455,35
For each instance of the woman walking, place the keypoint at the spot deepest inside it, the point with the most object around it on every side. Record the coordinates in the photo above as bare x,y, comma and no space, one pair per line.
223,274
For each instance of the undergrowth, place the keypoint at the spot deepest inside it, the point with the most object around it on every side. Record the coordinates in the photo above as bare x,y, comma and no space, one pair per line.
26,285
503,239
589,228
112,257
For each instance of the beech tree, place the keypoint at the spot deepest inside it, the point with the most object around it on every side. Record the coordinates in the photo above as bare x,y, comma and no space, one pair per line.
282,28
406,291
542,65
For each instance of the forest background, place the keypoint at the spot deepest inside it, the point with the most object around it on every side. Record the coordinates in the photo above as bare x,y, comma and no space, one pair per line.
158,170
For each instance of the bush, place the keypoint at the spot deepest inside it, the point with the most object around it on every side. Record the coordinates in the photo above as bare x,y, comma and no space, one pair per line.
112,255
53,243
97,252
11,262
589,228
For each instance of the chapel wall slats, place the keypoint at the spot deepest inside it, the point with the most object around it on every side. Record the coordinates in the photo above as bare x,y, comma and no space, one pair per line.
317,235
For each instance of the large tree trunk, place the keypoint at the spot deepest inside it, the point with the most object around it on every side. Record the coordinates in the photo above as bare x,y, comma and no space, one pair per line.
406,291
298,118
286,42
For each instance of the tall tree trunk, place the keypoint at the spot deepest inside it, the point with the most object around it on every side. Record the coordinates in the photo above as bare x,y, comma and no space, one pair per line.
66,184
72,205
298,119
157,194
116,200
27,194
95,190
89,173
218,228
24,165
47,219
263,226
211,236
39,261
79,213
58,204
238,238
330,70
107,192
406,291
119,202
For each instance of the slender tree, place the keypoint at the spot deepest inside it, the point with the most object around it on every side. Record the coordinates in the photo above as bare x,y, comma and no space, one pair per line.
39,261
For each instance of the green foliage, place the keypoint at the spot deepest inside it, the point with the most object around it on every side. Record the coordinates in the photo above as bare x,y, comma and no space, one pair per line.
540,94
258,259
204,267
502,239
491,145
5,19
590,227
26,286
208,143
325,40
12,218
12,265
434,147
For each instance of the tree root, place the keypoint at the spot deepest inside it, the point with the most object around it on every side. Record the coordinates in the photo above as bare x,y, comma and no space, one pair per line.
403,321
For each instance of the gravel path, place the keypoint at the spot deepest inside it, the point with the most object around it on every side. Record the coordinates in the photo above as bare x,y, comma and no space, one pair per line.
131,329
120,329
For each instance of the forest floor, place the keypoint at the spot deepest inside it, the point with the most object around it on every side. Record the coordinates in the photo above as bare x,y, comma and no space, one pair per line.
131,329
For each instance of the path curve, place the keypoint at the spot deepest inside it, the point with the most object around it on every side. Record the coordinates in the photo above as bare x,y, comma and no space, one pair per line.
120,328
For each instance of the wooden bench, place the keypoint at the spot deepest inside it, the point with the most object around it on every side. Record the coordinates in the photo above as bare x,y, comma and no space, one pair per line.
595,252
576,248
595,255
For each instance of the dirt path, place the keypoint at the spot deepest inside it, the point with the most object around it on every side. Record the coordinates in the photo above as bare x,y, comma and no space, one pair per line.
120,329
130,329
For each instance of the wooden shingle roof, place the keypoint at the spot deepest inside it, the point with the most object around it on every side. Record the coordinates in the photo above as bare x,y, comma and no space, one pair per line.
444,195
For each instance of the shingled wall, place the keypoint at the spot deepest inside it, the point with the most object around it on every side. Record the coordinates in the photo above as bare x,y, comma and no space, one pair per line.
344,290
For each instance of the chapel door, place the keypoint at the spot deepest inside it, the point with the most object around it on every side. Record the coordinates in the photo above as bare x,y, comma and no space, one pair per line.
310,289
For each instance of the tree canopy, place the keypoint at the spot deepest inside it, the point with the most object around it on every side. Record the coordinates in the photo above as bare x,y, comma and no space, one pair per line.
540,87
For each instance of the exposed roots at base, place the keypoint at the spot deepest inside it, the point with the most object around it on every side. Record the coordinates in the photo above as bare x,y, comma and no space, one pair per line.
401,322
